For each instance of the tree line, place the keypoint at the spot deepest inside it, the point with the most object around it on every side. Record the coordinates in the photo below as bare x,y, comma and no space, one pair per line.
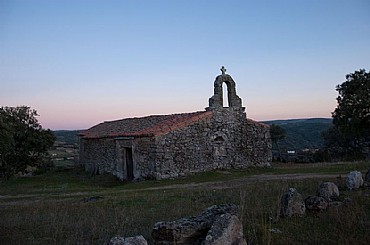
349,136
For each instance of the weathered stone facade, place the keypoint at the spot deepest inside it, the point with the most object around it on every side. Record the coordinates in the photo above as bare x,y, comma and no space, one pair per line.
170,146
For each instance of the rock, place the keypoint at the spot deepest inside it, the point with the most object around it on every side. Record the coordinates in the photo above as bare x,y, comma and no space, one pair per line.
367,176
136,240
192,230
316,204
354,180
292,204
226,230
329,191
275,230
91,199
335,204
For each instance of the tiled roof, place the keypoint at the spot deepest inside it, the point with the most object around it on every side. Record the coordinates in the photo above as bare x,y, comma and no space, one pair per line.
144,126
251,121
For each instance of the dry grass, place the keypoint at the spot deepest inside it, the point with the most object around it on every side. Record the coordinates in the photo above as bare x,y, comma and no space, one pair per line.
54,212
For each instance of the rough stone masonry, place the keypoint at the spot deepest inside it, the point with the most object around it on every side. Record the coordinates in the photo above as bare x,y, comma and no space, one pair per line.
169,146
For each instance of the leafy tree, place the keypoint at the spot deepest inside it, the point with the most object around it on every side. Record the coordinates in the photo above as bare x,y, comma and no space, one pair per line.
277,133
23,142
351,118
352,115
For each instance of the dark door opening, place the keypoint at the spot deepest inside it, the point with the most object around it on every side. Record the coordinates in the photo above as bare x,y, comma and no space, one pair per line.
129,164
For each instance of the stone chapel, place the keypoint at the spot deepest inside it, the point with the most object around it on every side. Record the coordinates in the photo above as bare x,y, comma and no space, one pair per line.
169,146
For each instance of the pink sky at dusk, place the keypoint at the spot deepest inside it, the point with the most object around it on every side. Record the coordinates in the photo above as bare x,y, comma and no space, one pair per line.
79,63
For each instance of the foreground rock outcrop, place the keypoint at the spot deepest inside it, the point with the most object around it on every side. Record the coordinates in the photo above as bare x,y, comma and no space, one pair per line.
217,224
227,229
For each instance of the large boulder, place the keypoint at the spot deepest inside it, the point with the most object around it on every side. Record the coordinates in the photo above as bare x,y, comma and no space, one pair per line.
191,230
329,191
226,230
292,204
136,240
316,204
354,180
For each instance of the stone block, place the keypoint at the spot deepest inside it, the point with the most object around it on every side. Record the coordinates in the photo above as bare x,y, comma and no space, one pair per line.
292,204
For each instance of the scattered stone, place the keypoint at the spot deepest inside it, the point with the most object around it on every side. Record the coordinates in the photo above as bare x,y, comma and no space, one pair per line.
275,230
354,180
335,204
192,230
316,204
136,240
292,204
329,191
226,230
91,199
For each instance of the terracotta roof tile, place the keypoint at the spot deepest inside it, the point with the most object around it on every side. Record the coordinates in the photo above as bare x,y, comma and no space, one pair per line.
144,126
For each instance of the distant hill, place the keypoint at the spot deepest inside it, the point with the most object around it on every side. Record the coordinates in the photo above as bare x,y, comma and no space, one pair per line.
302,133
67,136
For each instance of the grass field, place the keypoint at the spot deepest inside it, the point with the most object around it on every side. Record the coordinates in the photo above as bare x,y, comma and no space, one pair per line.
50,208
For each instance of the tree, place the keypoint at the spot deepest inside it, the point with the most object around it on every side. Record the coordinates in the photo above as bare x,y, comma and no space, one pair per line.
352,115
277,133
23,142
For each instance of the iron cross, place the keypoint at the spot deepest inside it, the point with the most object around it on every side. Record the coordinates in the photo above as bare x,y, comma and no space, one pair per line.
223,70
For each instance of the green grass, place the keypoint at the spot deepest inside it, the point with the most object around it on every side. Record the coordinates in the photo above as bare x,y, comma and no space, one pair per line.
48,209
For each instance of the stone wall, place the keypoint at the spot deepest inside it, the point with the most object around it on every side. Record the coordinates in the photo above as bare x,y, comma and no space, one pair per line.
227,140
98,155
259,144
143,149
183,151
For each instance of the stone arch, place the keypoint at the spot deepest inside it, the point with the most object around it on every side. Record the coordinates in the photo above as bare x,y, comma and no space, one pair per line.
219,137
216,101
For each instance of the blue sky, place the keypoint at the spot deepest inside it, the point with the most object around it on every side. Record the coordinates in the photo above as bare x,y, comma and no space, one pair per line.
82,62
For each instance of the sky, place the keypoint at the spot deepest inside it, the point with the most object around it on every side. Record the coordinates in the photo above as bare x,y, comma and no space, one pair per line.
82,62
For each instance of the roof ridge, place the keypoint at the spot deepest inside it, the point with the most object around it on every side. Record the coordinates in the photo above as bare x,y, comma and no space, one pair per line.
143,126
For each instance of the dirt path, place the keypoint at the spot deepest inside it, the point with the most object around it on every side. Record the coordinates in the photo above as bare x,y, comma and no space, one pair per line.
7,200
235,183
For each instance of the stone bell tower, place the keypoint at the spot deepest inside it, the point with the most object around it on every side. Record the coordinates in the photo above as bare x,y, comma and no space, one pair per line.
216,101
